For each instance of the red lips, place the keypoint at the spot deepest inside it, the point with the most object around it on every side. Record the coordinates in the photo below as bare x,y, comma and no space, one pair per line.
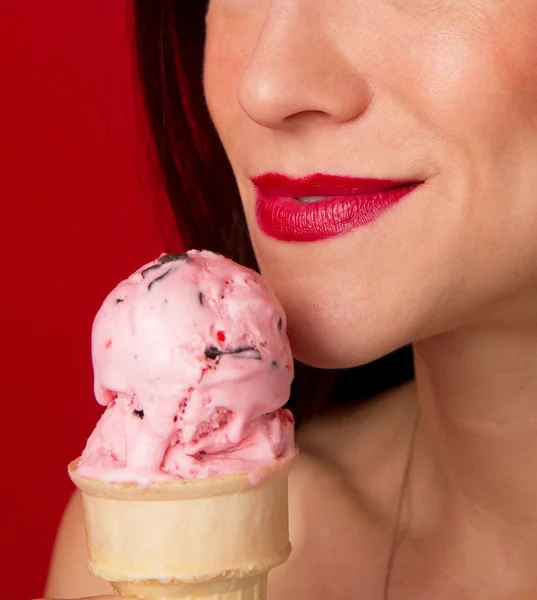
348,203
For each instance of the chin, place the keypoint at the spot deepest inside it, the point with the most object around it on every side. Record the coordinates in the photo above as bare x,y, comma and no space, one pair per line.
323,338
343,312
328,354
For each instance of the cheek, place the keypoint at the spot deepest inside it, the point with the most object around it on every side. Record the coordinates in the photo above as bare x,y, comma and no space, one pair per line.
512,42
221,69
478,72
482,99
230,39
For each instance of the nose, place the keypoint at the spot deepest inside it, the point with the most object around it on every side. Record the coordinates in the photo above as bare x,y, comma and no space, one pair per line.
298,70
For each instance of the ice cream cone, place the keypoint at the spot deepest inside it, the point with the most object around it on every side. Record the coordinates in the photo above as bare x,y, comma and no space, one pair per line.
207,539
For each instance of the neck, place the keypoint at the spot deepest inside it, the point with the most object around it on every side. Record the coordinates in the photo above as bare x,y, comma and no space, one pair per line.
477,390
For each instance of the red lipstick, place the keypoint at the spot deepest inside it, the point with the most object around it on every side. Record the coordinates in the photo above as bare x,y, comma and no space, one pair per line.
322,206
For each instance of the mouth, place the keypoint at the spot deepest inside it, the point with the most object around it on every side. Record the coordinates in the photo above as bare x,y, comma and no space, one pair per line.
322,206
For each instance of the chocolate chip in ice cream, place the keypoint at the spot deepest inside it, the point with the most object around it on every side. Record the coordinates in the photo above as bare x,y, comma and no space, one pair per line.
172,257
245,352
159,278
213,352
149,269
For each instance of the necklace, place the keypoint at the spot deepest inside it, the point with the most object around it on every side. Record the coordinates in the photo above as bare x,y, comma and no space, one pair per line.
400,503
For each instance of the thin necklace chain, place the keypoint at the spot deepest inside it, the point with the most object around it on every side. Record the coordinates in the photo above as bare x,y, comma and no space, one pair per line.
400,504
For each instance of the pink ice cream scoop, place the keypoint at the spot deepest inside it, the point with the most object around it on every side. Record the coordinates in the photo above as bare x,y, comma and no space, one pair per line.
193,364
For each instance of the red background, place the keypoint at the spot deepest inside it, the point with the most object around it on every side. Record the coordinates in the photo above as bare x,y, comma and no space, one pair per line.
79,213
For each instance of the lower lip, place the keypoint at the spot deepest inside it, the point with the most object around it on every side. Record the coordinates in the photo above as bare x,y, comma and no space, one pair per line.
290,220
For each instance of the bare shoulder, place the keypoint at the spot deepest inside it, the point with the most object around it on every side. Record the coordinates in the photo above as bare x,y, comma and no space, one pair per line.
343,495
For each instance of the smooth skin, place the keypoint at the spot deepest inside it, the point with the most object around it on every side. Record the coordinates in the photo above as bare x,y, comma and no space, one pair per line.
444,91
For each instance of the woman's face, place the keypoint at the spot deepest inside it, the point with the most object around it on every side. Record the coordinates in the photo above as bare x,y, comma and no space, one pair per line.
442,93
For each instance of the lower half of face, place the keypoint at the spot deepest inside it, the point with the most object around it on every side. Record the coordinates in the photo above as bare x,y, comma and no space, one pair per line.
449,104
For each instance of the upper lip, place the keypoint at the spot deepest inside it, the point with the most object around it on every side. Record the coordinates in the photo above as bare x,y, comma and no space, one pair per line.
276,184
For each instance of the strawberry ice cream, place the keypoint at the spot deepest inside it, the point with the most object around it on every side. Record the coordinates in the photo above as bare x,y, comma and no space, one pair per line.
193,364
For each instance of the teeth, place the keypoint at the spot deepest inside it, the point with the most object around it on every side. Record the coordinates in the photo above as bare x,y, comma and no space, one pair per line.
309,199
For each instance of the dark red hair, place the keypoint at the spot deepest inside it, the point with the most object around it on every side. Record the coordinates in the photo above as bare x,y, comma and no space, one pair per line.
200,185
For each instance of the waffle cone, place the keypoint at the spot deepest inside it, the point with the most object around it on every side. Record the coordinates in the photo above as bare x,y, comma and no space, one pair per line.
207,539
